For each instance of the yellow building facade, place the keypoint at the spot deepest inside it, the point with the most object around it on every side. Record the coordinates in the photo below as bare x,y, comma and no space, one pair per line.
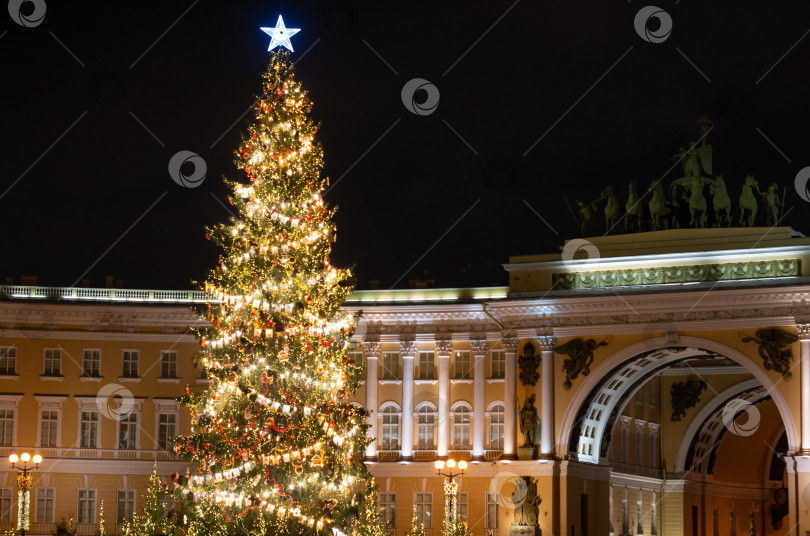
669,374
88,379
672,389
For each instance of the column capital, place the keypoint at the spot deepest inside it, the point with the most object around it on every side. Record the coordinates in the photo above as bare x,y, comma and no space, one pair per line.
547,342
479,346
625,420
510,343
640,426
804,331
653,428
407,348
444,347
371,349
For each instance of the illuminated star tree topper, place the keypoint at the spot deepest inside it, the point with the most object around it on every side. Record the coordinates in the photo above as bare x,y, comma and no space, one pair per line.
280,35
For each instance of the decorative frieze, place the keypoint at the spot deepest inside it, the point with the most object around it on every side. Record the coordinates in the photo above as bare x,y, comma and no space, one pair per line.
677,274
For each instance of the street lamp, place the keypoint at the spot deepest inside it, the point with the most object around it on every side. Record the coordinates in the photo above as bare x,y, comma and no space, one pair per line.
24,480
452,525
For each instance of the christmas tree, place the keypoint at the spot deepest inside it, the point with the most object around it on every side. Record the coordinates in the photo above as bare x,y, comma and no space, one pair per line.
277,442
369,522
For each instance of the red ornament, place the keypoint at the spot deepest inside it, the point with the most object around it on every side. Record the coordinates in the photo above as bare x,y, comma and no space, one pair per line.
245,455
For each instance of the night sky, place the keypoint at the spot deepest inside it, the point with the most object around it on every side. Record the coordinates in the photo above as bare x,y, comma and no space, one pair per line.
98,97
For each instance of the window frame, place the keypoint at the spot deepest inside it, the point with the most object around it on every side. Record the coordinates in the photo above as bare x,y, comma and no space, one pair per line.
429,415
492,500
389,373
96,429
6,515
497,365
167,363
497,422
126,357
389,412
462,365
5,359
129,421
387,516
48,501
55,357
91,500
422,501
131,509
427,367
53,427
462,418
85,360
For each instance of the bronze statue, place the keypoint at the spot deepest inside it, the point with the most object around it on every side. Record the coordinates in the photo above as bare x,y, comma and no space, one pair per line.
529,422
526,501
580,357
774,349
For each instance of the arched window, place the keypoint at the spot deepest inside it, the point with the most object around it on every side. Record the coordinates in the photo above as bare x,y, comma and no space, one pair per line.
461,428
496,427
390,428
426,428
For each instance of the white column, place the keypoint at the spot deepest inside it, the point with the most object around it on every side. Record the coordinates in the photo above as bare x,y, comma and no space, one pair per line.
804,336
479,350
547,343
509,433
444,348
408,351
371,349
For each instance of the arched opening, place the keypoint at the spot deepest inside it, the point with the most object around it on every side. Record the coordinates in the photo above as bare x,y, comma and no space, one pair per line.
688,427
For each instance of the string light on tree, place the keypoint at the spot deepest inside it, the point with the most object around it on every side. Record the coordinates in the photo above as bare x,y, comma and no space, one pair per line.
275,438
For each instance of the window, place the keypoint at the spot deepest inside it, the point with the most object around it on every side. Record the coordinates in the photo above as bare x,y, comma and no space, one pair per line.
426,428
496,428
462,365
45,500
461,503
126,505
356,358
6,427
91,363
53,362
492,511
87,506
497,364
8,360
127,428
167,429
461,428
427,366
390,366
50,419
390,428
388,508
130,364
89,429
424,509
5,505
168,364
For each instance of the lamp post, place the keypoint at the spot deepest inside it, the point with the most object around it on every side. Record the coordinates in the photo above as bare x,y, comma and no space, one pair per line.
24,480
452,526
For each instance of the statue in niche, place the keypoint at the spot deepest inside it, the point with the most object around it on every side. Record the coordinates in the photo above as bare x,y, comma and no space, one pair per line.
580,357
529,422
774,349
529,362
526,501
685,395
